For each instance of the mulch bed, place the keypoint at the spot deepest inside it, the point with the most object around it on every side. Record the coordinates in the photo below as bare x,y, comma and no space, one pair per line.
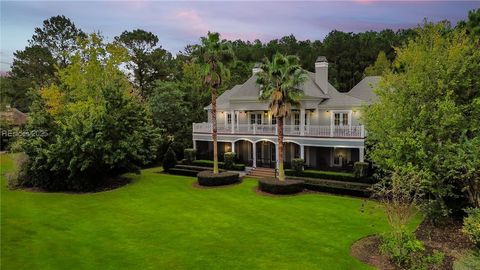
446,238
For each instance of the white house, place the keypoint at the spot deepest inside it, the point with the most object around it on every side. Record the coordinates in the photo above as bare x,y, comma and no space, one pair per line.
325,130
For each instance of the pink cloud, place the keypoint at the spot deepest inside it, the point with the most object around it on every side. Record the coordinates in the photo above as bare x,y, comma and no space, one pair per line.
192,22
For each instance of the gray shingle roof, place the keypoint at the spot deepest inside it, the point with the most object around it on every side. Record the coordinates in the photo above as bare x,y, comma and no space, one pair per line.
361,94
364,89
339,100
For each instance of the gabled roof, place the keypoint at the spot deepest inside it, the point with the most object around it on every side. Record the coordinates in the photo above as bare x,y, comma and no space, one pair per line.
339,100
364,89
250,90
223,101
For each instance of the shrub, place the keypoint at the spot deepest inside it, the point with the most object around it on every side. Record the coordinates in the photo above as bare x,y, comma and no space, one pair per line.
190,155
406,251
185,172
209,164
339,176
229,160
274,186
297,165
360,169
208,178
471,225
169,160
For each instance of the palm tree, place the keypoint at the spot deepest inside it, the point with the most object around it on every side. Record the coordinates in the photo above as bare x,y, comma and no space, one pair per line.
279,82
214,56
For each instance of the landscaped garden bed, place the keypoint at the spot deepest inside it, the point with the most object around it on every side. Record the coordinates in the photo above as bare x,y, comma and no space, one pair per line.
210,179
330,175
446,238
334,186
274,186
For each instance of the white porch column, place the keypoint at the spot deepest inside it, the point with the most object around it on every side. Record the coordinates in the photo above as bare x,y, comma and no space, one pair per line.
237,116
232,113
302,121
302,152
254,154
233,147
361,152
194,144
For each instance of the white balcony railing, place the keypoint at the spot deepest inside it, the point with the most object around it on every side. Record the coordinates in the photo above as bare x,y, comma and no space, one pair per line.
289,130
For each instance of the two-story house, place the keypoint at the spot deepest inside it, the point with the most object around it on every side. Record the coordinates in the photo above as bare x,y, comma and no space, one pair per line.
325,130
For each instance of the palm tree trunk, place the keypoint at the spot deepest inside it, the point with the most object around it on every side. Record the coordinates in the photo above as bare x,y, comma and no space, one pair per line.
214,130
281,172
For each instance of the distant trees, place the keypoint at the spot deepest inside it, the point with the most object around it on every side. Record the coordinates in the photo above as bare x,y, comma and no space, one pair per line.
148,61
50,48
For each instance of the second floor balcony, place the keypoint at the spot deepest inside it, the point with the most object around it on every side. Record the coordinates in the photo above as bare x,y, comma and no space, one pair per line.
289,130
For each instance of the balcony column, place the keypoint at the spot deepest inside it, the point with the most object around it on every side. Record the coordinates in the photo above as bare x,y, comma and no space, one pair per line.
254,154
361,153
233,147
237,116
195,144
232,113
302,121
302,151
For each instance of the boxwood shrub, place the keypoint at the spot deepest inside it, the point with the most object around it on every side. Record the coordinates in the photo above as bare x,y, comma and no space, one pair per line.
360,169
297,164
209,164
229,160
190,155
274,186
208,178
339,176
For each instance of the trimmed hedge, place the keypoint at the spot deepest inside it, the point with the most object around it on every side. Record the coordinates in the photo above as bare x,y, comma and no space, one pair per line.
208,178
274,186
339,176
184,172
209,164
337,187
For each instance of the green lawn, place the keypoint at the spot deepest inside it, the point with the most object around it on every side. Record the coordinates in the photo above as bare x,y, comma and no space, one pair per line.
161,222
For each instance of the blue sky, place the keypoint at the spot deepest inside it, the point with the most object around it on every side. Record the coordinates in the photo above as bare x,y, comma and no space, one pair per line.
180,23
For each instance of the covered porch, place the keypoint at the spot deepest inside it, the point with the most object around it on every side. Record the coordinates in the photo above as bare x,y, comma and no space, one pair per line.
263,153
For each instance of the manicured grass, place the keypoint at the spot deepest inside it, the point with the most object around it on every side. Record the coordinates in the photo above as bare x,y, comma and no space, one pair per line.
160,221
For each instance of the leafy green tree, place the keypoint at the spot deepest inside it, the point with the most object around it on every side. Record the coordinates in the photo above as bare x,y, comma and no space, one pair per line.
279,81
426,107
380,66
50,47
95,127
59,35
149,62
214,56
170,112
